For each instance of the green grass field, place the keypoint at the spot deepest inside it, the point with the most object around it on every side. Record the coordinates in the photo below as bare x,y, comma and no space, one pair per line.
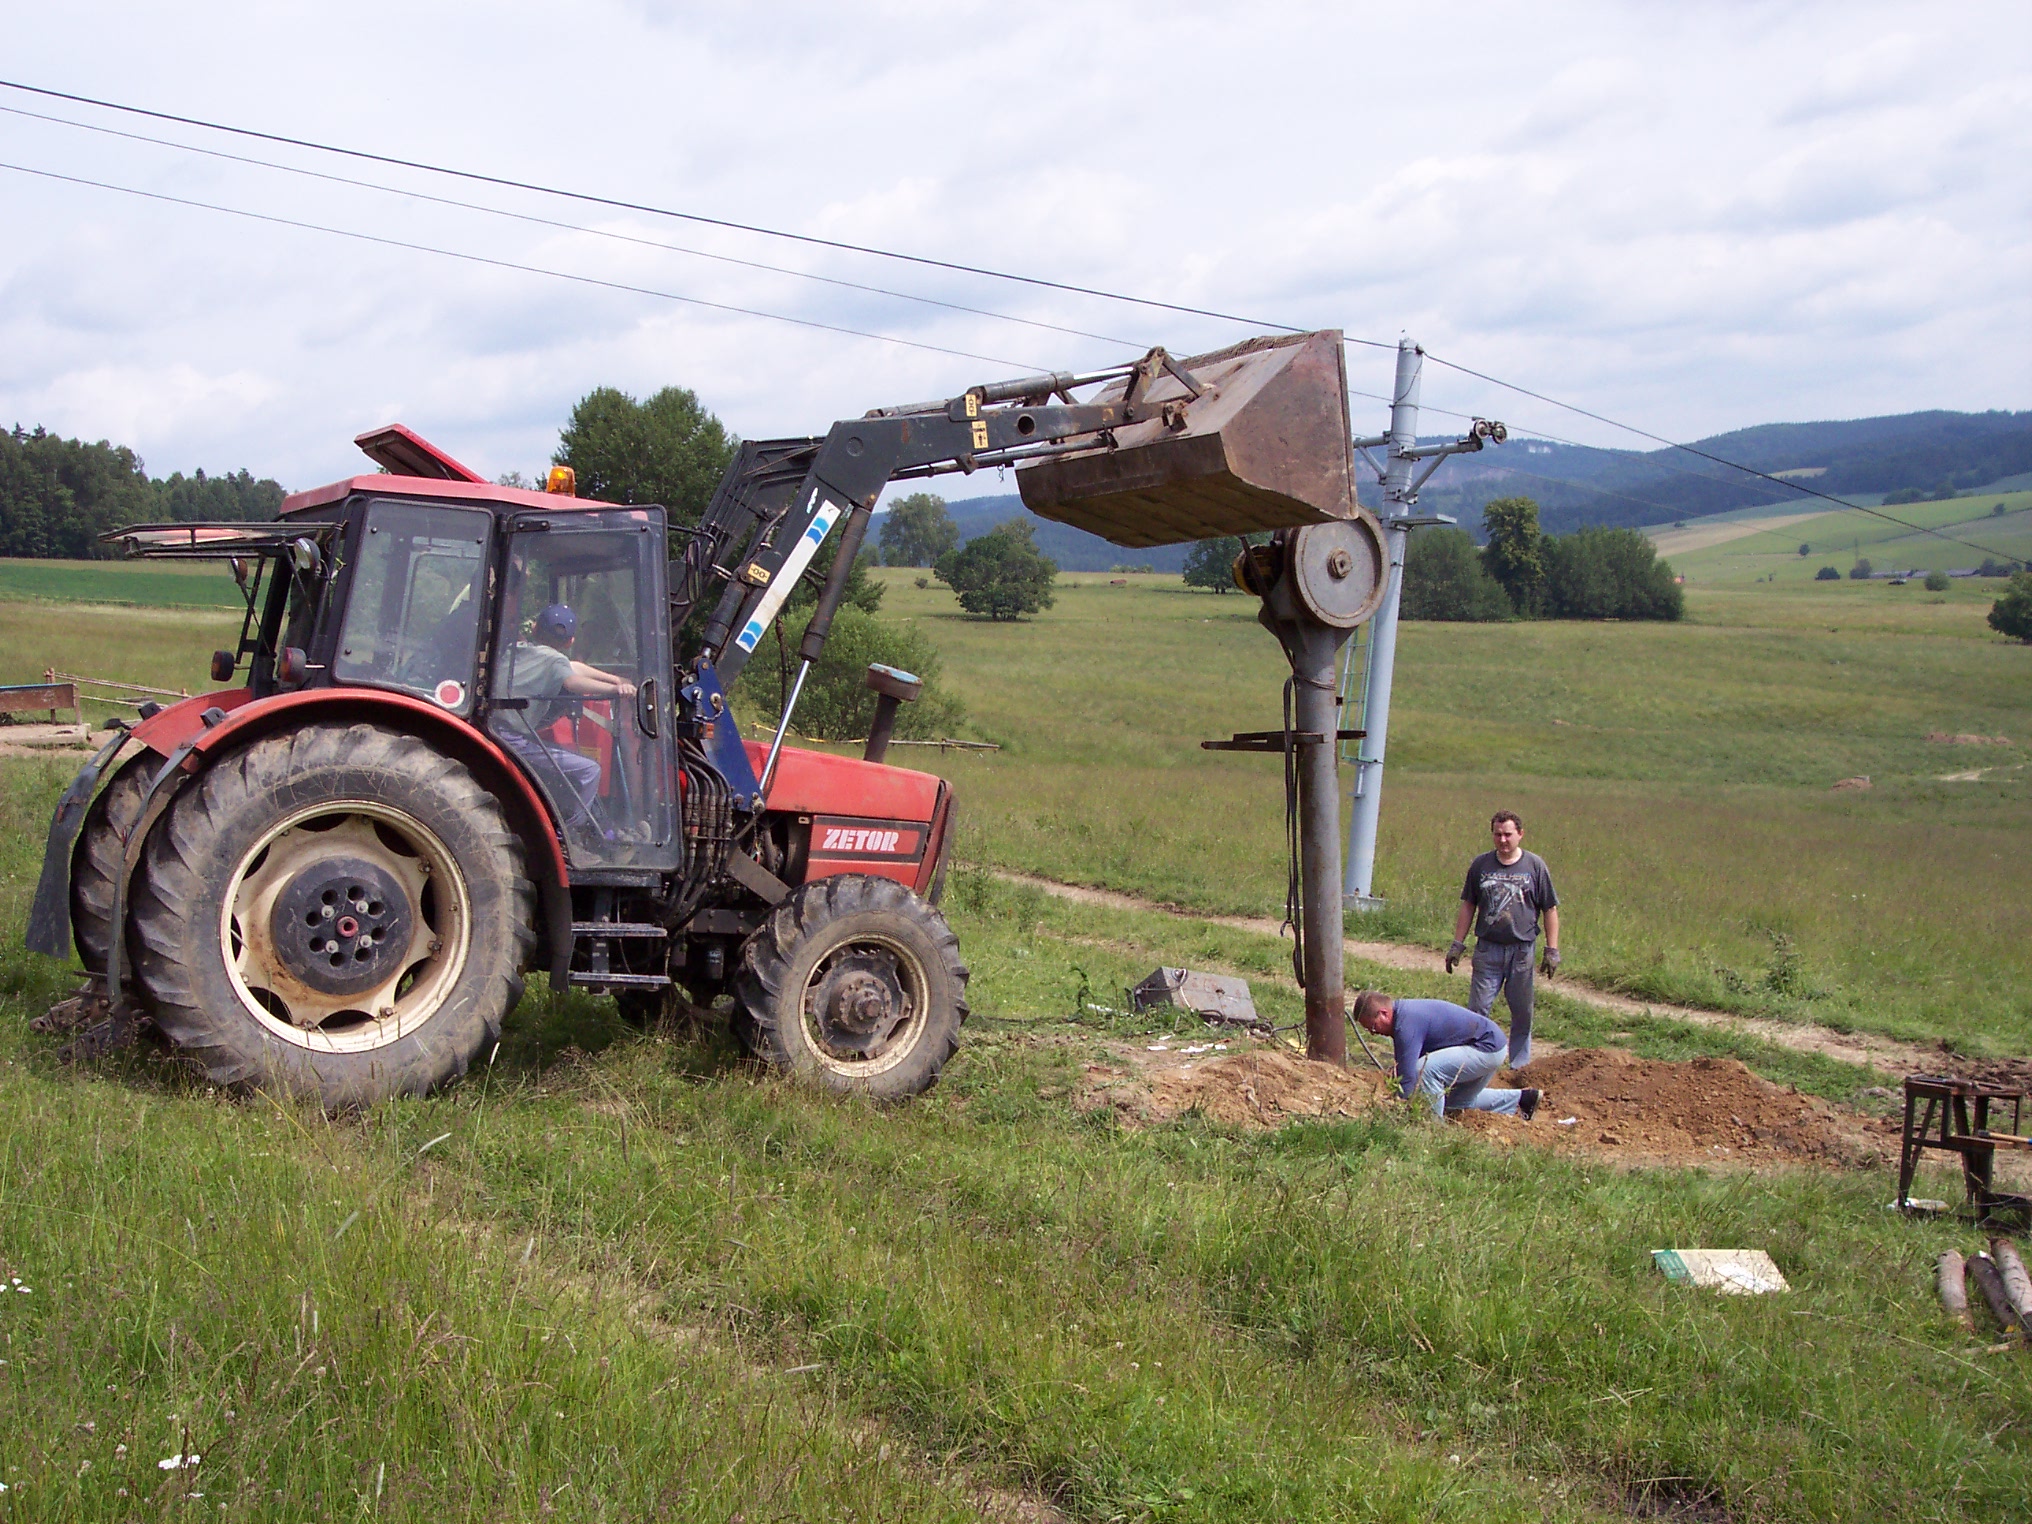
146,584
1745,547
1677,777
623,1277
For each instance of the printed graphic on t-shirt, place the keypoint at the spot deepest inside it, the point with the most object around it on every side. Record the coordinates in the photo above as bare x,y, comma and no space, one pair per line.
1509,896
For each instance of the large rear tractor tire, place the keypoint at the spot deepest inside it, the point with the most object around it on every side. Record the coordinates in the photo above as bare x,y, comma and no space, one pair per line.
97,859
340,913
853,984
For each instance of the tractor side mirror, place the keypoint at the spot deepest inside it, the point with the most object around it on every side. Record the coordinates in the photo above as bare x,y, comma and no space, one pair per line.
895,687
223,663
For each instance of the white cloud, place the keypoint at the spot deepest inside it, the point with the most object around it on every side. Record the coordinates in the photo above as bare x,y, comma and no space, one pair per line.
1696,218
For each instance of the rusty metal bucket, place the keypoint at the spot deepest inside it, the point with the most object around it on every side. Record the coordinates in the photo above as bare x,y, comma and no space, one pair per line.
1264,446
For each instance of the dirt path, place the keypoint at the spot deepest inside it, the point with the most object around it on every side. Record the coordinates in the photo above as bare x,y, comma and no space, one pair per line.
1885,1053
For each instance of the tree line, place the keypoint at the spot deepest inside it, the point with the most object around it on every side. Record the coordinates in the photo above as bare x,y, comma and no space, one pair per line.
1522,573
57,495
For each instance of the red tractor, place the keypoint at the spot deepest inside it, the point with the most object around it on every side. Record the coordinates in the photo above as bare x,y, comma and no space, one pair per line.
464,747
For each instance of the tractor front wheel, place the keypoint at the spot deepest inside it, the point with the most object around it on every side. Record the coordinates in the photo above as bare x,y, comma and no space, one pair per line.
339,912
855,984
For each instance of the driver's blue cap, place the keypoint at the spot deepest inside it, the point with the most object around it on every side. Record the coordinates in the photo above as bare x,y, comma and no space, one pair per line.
558,620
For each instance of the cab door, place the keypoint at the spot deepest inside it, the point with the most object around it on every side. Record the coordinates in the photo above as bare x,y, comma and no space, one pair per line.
588,716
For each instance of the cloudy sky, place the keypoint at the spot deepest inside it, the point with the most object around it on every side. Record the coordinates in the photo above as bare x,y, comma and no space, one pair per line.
1689,217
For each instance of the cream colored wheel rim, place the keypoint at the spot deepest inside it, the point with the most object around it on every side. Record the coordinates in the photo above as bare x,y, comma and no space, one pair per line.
423,965
864,1006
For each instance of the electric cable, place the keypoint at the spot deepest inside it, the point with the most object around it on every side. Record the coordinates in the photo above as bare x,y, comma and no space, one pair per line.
568,227
1719,460
866,249
509,264
659,211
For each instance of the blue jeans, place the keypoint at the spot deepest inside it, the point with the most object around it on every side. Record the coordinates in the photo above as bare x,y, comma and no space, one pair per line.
1505,966
1453,1079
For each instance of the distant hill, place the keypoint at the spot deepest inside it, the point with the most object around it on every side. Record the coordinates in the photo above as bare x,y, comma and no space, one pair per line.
1073,549
1863,459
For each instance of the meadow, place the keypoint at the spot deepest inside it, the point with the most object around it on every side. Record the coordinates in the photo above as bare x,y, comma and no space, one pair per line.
1679,778
624,1276
1757,544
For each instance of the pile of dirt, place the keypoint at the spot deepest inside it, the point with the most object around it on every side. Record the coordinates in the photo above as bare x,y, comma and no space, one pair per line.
1603,1102
1258,1088
1706,1111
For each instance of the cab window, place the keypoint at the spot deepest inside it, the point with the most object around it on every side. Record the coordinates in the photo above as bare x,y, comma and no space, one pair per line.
413,615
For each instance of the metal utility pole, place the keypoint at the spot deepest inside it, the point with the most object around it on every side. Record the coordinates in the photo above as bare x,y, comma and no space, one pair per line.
1317,585
1402,452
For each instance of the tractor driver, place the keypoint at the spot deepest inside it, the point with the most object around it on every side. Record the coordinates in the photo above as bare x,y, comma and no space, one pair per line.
542,667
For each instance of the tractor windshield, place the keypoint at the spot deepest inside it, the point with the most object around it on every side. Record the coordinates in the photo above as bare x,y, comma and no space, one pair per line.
413,615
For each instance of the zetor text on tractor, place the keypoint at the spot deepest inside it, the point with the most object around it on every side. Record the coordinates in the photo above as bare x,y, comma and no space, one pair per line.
483,730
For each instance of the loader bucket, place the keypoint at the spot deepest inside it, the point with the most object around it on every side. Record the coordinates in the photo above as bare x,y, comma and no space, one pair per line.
1265,446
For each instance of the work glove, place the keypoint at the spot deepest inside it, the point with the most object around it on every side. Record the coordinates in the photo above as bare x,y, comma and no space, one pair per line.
1454,954
1549,965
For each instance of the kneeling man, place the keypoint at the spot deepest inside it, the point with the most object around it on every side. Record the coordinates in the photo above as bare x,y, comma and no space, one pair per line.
1445,1052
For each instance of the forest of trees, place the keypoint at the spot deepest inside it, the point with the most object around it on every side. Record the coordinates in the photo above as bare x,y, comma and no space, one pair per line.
57,496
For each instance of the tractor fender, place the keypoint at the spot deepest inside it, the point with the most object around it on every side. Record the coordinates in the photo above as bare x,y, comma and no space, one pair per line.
246,719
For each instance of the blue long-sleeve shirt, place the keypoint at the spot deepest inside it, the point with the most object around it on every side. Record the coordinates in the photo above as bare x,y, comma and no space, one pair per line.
1425,1026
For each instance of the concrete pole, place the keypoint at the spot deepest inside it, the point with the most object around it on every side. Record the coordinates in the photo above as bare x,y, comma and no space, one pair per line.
1358,887
1314,650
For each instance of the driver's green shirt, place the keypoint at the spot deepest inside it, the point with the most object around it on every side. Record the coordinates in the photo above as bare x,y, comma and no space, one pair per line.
536,670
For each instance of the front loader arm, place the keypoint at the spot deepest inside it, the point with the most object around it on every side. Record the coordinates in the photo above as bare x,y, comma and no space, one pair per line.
844,475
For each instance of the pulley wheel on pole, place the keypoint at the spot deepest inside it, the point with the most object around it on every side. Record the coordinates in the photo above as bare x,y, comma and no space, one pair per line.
1337,572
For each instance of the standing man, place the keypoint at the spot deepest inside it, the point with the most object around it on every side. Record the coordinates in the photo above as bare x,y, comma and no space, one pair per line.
1445,1053
1505,893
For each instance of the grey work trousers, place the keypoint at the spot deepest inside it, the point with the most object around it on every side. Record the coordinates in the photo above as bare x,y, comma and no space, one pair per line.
1505,966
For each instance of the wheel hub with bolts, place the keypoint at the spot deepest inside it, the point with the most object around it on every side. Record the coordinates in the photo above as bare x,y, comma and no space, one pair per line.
340,923
345,925
857,1001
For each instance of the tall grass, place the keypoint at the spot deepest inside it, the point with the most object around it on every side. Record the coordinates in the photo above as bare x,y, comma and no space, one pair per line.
616,1276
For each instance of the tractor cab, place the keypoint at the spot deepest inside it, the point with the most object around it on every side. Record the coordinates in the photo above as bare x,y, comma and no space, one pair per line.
543,624
537,617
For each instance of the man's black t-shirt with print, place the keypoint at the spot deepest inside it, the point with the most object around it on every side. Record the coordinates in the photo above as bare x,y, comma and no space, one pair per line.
1508,897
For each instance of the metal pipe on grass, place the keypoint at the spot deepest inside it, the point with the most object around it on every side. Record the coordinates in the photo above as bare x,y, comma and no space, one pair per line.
2017,1285
1950,1276
1983,1271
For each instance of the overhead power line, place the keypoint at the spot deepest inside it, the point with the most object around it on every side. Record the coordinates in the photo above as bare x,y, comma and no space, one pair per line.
958,267
618,204
1719,460
510,264
568,227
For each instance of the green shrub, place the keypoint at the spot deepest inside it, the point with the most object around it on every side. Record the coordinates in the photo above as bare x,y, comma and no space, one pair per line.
1860,572
1598,573
1210,563
1827,574
2012,614
1001,574
1936,581
837,704
1444,579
